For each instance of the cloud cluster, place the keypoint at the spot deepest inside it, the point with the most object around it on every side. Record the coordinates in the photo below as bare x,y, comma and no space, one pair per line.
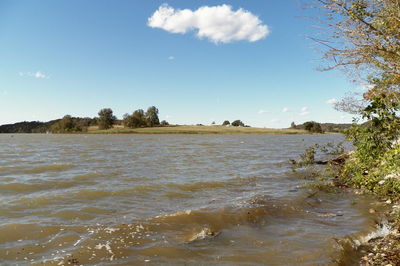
219,24
304,111
332,101
37,74
260,112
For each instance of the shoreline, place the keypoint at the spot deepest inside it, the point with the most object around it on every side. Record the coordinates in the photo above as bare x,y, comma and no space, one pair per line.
176,133
380,246
187,130
194,130
383,247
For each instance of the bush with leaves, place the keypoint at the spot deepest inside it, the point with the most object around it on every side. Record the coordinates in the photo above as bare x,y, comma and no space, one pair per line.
69,124
106,118
237,123
313,127
375,137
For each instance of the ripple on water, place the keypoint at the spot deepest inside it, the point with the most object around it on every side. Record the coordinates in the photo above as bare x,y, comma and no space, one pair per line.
193,233
37,185
84,199
48,168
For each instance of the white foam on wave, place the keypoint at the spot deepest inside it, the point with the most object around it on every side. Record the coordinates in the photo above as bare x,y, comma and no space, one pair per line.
383,229
186,212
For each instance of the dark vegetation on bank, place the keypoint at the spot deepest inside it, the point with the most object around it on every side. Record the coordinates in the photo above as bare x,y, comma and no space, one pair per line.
69,124
315,127
106,120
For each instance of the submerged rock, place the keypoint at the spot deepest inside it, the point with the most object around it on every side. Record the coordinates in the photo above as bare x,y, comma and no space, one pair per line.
204,234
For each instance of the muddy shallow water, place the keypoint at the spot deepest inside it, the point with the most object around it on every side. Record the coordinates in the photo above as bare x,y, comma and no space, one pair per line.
168,199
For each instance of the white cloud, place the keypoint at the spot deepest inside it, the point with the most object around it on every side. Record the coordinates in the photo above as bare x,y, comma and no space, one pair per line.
304,111
364,87
219,24
285,110
260,112
37,74
171,57
332,101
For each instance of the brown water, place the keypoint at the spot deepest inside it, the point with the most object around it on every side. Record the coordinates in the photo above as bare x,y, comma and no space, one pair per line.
167,199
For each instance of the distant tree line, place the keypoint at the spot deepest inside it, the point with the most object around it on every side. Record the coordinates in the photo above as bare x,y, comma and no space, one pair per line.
315,127
236,123
105,120
27,127
139,118
69,124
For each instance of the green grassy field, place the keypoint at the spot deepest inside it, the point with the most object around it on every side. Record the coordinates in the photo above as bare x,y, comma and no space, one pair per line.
195,130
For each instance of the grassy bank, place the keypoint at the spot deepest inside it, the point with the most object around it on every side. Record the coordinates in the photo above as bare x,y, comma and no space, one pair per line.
195,130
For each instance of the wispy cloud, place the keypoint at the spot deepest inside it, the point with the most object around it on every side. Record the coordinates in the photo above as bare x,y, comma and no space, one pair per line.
37,74
260,112
219,24
332,101
171,57
364,87
304,111
285,110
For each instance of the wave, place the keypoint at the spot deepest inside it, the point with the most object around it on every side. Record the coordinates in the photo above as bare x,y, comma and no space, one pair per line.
350,246
36,170
172,235
41,185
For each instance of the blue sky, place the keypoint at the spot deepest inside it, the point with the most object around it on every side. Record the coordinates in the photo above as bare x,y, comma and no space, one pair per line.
76,57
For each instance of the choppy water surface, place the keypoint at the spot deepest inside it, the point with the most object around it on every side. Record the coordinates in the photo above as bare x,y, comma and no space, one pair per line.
167,199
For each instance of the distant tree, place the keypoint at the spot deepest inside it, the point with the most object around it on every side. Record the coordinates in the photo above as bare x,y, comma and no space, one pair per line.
213,123
292,125
127,121
317,128
137,119
67,124
70,124
312,126
151,116
106,118
237,123
226,123
164,123
308,125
